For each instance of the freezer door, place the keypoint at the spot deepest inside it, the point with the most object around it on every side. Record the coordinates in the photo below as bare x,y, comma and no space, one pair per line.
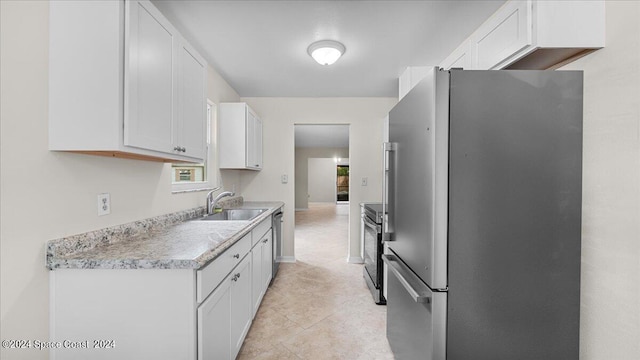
418,171
416,316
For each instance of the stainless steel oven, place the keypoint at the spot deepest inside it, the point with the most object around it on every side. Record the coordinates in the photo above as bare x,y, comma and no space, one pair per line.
372,239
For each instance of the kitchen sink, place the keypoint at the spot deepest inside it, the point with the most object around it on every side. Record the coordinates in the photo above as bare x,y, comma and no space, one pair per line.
234,214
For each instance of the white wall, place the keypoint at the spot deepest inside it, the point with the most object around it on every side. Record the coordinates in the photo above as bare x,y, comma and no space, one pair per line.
47,195
364,115
322,176
301,169
610,285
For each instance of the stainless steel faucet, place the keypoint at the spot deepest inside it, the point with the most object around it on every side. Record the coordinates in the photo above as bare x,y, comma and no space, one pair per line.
211,201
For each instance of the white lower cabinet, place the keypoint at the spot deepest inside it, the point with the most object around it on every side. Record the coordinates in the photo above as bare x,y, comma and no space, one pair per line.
267,261
225,317
262,269
136,313
163,313
214,322
240,311
256,279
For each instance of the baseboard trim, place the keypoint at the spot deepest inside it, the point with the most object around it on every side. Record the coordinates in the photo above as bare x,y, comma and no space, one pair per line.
355,260
286,259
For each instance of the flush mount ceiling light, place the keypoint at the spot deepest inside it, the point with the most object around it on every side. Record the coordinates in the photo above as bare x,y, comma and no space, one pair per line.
326,52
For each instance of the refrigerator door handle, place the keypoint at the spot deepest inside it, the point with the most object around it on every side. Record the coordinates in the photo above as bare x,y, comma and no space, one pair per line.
408,279
387,190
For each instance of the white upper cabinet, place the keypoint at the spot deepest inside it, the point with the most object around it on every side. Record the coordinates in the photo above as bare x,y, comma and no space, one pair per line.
123,82
192,104
527,34
254,141
150,78
459,58
410,78
240,137
504,34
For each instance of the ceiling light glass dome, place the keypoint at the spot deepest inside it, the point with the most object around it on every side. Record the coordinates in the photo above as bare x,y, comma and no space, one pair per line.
326,52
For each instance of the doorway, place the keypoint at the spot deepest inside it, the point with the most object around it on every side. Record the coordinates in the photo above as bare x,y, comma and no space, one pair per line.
319,150
321,174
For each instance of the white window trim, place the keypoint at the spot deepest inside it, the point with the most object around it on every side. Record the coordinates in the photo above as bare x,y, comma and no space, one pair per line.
211,164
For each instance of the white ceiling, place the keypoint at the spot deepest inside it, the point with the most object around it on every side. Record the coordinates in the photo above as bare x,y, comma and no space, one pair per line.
333,136
260,47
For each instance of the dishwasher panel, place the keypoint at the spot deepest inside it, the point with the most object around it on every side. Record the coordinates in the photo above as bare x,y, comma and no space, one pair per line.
277,242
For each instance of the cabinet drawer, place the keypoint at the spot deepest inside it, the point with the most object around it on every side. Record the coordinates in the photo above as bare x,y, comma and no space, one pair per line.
208,278
258,232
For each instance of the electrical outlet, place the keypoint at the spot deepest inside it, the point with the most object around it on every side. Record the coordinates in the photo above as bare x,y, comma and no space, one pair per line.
104,204
365,181
284,179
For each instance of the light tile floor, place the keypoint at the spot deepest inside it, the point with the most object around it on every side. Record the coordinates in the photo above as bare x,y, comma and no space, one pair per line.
319,307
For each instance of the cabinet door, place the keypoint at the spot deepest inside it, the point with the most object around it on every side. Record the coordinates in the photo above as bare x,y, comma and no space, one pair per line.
258,143
192,105
267,261
256,278
241,313
459,58
150,74
254,141
214,323
508,31
261,270
250,154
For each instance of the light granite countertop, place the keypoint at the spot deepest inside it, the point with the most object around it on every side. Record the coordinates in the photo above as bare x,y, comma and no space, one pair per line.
174,241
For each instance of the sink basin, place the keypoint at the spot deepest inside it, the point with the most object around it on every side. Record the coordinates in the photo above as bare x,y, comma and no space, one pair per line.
234,214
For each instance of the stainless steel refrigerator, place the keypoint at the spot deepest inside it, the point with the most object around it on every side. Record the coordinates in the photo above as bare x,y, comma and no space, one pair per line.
483,194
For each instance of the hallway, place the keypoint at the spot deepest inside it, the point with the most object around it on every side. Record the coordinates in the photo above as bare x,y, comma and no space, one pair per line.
319,307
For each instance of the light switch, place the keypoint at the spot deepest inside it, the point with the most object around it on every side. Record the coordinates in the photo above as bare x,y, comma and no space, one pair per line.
284,178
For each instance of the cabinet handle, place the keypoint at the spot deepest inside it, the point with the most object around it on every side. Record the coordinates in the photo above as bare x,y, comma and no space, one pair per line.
234,278
238,276
237,256
177,148
184,149
265,241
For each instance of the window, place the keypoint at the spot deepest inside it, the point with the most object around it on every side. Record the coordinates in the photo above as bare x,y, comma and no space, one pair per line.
342,183
199,177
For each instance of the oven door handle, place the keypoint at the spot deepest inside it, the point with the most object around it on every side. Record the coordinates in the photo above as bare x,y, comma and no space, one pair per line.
407,279
371,224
